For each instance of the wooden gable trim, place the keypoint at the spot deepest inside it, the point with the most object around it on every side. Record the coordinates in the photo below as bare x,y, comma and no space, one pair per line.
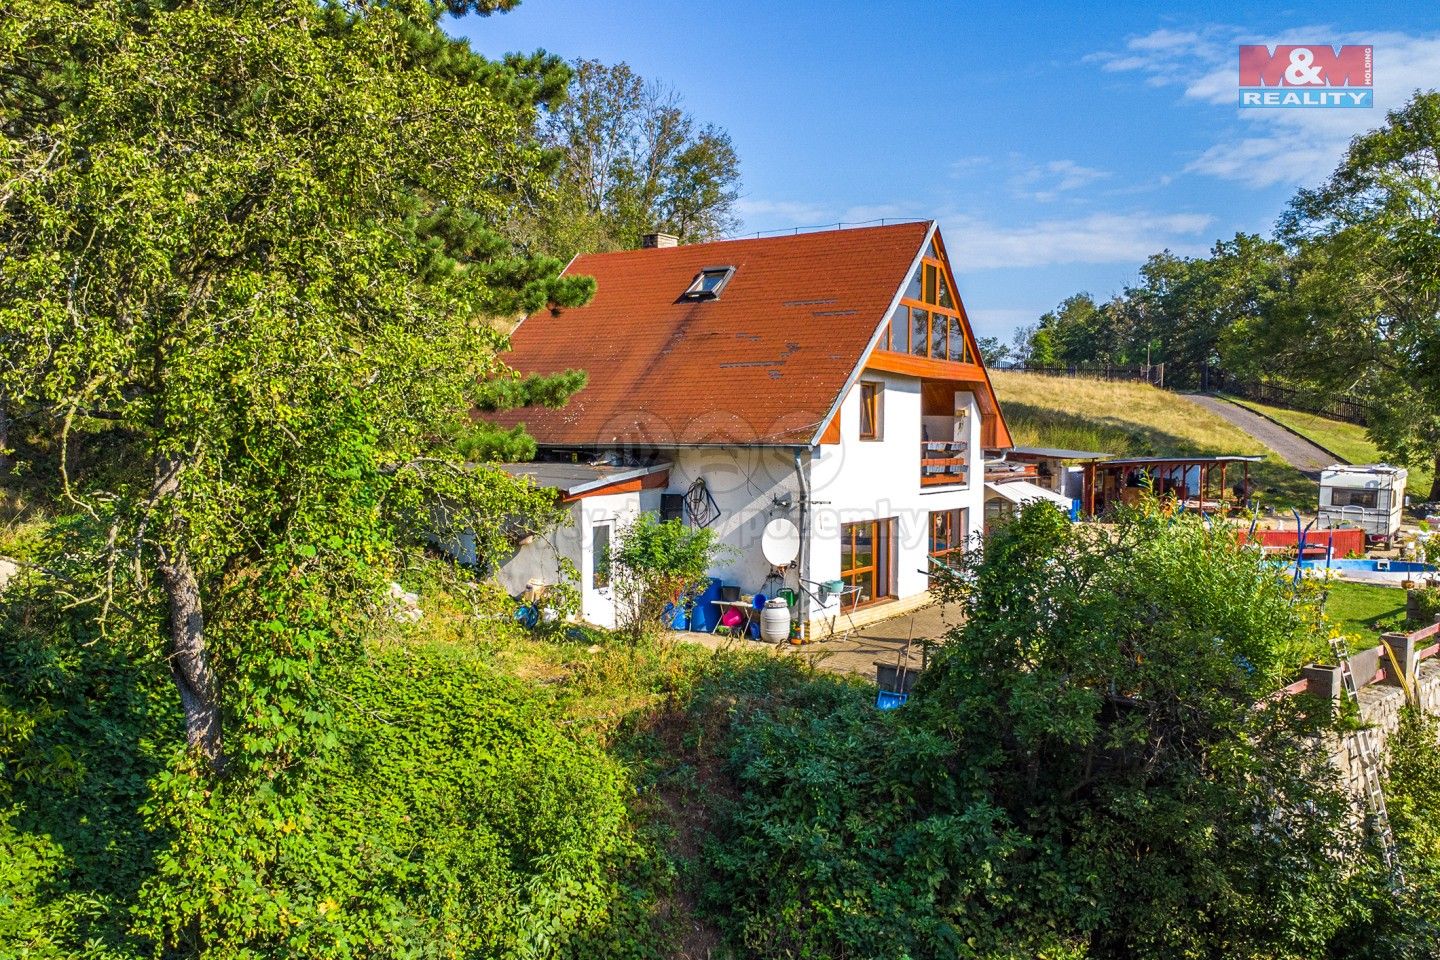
859,368
910,365
995,432
650,481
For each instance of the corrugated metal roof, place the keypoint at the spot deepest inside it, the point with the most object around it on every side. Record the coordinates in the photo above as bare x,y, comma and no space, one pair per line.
1023,491
1058,453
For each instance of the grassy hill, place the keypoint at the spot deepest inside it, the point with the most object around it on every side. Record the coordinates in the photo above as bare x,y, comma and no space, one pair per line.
1138,420
1346,440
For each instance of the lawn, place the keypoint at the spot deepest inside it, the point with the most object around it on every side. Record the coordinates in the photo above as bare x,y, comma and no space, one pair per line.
1135,420
1354,608
1348,441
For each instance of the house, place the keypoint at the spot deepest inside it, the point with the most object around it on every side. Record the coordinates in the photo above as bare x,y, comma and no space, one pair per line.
829,379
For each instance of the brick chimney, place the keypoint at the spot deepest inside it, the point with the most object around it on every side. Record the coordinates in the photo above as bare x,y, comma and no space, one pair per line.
652,241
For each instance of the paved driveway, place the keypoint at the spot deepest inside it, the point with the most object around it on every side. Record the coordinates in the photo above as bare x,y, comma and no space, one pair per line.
1294,450
890,640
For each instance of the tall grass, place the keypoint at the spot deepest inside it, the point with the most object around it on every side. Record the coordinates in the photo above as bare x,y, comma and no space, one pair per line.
1136,420
21,523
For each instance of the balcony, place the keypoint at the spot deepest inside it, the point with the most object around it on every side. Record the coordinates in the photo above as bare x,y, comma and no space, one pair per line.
943,462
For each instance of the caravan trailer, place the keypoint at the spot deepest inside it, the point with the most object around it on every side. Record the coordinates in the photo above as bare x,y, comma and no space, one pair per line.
1369,496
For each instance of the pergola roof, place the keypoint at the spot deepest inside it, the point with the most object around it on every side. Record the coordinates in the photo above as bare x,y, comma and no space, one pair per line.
1059,453
1160,461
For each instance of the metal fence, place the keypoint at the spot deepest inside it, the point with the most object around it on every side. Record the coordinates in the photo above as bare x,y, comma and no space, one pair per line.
1152,374
1342,408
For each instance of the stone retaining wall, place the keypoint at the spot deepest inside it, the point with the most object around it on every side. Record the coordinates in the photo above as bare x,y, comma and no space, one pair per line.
1380,706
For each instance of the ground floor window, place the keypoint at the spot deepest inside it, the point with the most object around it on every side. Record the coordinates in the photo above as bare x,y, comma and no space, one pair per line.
998,510
600,556
948,530
865,559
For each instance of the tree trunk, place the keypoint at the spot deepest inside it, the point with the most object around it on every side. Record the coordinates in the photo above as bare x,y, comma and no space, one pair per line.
4,440
189,660
1435,483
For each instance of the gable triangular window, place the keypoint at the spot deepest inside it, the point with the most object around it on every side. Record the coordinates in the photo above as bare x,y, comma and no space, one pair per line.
927,322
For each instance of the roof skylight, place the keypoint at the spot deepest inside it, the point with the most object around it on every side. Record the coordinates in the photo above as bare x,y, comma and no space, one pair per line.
708,283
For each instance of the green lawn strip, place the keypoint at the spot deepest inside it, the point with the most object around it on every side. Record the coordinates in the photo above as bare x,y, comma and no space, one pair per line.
1354,608
1348,441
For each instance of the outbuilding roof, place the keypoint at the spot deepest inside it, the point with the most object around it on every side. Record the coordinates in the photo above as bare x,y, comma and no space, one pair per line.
575,479
1059,453
1152,461
764,362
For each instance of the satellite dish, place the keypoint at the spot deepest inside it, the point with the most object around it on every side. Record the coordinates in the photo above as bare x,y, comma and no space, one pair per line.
781,542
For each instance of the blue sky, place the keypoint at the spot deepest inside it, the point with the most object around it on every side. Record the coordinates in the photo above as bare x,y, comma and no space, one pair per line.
1057,144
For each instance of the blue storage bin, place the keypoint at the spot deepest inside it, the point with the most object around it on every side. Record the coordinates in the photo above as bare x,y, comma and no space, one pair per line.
677,617
890,700
704,614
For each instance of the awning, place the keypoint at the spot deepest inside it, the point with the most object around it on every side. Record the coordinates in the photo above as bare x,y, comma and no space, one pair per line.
1023,491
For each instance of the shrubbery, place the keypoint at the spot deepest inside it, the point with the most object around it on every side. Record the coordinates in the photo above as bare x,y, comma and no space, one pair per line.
442,814
1083,771
82,729
448,818
653,564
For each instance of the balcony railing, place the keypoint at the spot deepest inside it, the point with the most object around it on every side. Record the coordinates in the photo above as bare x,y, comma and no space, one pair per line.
943,462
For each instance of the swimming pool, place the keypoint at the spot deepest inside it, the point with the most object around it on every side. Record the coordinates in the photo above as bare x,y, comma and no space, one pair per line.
1370,566
1365,570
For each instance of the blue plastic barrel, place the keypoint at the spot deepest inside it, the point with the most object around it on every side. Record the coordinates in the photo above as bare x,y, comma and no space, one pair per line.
704,614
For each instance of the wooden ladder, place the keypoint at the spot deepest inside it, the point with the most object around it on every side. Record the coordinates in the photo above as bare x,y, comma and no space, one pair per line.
1360,746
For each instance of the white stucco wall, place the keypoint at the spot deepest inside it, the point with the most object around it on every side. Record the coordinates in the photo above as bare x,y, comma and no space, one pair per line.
745,482
863,480
539,559
850,481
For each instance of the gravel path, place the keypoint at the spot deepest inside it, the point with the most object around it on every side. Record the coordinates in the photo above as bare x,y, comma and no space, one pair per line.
1294,450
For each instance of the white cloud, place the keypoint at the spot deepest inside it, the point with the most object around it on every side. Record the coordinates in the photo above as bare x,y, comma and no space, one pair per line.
793,212
765,215
975,244
1055,178
965,166
1267,147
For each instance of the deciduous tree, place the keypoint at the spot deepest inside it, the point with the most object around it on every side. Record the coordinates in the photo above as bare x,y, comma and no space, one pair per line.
250,261
1364,316
634,162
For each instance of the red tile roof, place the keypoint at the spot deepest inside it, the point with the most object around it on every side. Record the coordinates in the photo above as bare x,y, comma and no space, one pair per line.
762,365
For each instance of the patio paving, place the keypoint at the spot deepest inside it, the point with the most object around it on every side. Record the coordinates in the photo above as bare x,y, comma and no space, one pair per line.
856,654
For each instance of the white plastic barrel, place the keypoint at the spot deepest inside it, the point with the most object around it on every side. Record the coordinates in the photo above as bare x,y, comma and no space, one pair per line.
775,620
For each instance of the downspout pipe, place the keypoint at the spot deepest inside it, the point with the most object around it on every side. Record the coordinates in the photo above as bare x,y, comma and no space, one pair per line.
803,597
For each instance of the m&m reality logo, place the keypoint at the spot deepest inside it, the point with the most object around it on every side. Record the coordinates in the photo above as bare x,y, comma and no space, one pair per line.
1309,75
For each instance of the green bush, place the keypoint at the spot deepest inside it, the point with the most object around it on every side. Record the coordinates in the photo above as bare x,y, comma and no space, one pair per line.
655,563
1399,920
82,728
1427,607
1087,768
853,837
446,817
